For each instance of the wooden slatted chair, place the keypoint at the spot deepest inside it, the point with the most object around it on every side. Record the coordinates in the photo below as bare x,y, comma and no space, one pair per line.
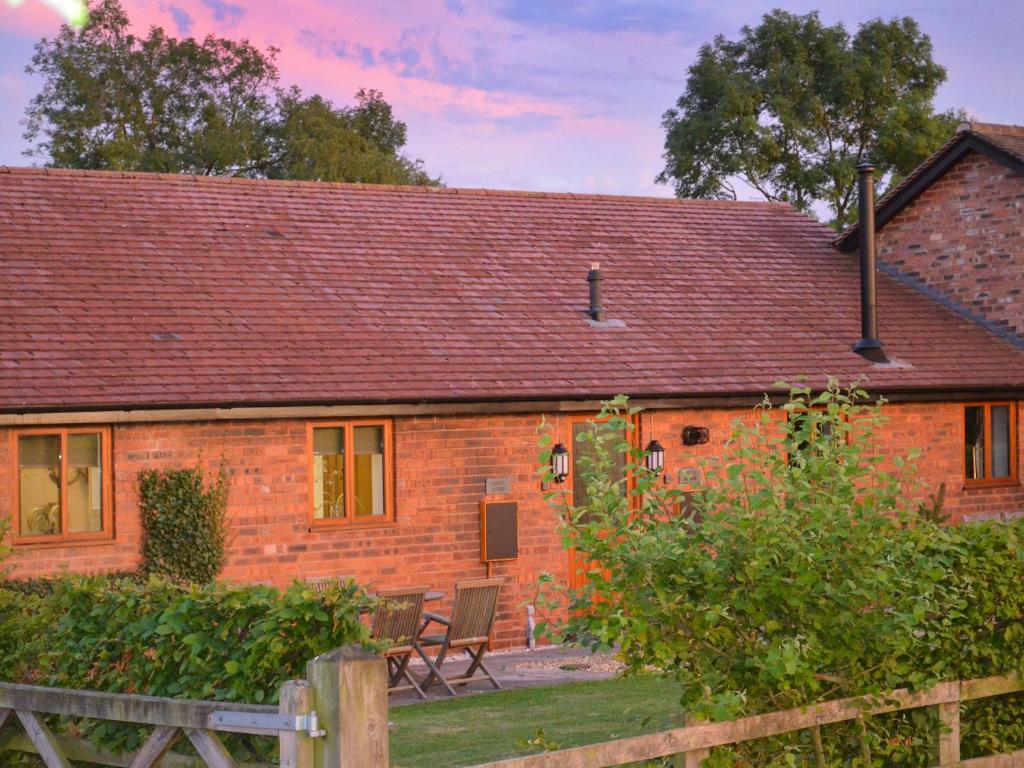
329,582
397,622
468,630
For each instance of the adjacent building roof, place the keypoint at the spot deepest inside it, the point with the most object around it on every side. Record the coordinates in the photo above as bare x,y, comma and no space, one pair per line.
1004,143
142,291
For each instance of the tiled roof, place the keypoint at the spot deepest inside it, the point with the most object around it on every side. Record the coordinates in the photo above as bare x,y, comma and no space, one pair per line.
1009,138
1007,141
135,290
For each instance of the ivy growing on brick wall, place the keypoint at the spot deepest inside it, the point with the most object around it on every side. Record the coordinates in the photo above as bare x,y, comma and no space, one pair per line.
5,549
183,524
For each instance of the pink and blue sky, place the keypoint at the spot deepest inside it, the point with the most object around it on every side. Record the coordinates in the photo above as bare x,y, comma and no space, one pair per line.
560,95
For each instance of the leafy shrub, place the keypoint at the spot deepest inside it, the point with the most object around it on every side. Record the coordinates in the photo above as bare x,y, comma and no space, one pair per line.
24,627
230,643
805,575
183,524
44,586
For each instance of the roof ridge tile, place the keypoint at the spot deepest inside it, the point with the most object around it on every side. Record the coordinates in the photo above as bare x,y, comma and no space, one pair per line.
419,189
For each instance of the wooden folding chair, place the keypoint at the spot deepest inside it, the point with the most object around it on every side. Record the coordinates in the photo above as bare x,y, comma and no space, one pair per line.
468,630
397,622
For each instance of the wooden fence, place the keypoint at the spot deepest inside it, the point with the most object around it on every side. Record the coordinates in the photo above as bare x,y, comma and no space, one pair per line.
692,743
338,718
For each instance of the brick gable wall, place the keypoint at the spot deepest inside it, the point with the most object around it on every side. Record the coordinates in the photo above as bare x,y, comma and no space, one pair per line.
964,237
441,467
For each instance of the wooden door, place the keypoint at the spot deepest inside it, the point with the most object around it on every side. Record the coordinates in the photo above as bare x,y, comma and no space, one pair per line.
579,425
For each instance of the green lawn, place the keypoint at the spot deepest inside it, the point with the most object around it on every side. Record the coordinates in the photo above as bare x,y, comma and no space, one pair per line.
474,729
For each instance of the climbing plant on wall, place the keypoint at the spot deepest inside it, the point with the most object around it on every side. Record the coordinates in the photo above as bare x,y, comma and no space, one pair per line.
183,524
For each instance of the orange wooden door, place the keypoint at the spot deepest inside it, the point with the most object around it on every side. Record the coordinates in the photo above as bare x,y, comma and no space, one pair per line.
579,425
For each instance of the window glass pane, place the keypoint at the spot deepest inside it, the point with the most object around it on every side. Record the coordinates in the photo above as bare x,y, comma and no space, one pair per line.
329,473
368,469
585,448
1000,441
39,484
974,438
85,486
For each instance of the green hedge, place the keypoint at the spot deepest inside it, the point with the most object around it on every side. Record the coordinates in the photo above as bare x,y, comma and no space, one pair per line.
220,642
974,628
979,630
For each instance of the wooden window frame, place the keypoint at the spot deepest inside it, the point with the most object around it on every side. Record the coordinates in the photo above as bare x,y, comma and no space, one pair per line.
988,481
64,538
350,520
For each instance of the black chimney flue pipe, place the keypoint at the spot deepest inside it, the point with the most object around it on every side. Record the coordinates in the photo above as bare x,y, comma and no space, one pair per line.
869,345
594,278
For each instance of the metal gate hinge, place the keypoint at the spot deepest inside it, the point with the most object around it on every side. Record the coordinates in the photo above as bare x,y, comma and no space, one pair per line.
256,721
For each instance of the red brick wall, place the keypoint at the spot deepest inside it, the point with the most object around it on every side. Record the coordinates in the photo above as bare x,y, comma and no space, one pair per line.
964,236
440,478
440,470
937,431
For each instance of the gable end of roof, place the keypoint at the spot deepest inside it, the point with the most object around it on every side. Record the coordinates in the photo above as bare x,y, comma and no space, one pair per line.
926,174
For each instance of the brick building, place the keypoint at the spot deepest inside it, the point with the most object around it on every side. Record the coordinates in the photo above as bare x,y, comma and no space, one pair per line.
372,363
954,228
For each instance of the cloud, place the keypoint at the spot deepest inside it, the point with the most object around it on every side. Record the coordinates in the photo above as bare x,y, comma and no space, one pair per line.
406,58
420,54
366,55
225,11
455,6
182,19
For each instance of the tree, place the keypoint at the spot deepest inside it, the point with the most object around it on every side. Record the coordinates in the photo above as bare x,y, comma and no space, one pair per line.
801,571
113,100
314,140
793,106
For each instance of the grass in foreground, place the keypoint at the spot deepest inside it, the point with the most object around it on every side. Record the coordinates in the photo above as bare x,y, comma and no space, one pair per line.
476,729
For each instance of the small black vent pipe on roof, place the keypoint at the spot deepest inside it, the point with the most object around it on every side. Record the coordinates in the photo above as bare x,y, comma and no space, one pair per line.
869,346
594,278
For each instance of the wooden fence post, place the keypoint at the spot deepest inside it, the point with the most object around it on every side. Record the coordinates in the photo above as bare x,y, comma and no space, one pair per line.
691,759
949,735
350,695
296,748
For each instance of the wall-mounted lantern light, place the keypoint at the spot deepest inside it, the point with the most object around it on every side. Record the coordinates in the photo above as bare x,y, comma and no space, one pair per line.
559,463
655,457
695,435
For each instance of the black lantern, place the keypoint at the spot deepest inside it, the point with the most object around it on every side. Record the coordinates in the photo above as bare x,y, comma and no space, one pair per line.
655,457
559,463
